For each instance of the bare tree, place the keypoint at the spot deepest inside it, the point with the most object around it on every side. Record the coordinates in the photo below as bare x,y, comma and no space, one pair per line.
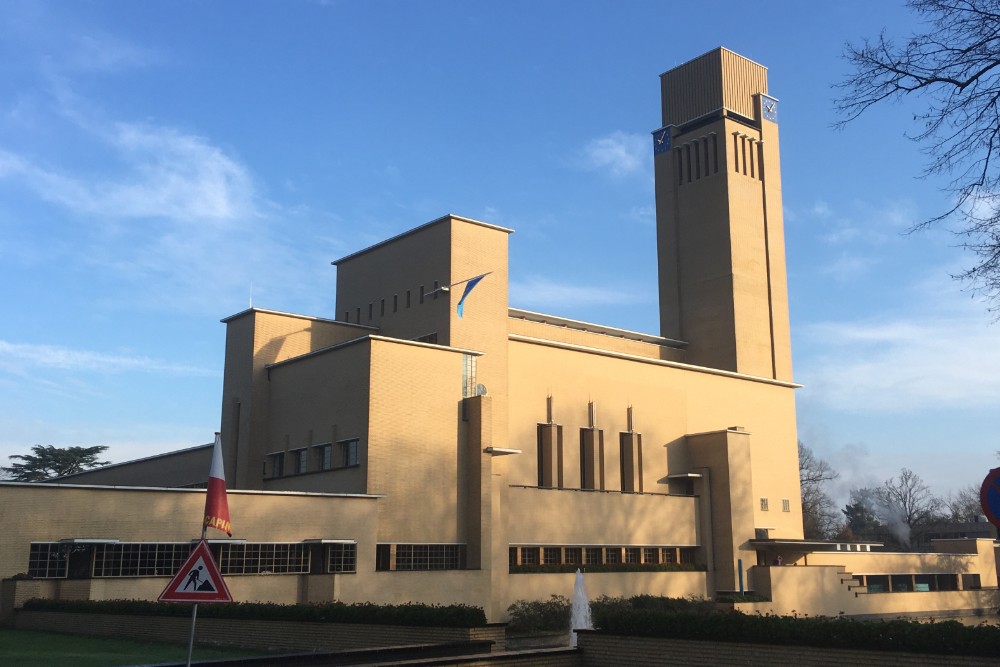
964,505
819,515
953,64
906,505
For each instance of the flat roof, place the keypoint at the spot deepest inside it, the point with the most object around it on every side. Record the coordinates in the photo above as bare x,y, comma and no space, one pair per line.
589,327
422,227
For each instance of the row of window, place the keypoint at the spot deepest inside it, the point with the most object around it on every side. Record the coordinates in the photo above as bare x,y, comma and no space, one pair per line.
395,304
602,555
697,158
326,456
49,560
905,583
419,557
550,459
786,505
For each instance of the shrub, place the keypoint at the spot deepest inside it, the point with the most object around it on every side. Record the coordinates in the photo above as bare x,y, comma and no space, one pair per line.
527,616
948,637
450,616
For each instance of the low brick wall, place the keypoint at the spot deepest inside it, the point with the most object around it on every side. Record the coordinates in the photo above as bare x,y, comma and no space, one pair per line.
266,635
600,650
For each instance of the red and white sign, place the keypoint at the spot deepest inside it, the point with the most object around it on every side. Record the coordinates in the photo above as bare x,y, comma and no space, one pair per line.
198,580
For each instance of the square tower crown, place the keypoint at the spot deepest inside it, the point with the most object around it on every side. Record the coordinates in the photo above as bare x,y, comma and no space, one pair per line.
719,79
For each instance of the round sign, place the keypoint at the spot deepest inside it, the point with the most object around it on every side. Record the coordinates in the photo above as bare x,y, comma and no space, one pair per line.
989,496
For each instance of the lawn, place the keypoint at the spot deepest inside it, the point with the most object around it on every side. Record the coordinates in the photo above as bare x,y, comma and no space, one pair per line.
27,648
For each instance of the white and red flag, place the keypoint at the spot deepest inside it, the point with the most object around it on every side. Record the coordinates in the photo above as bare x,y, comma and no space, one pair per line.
216,503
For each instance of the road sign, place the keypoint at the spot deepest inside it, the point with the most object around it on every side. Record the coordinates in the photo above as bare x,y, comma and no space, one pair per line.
198,580
989,496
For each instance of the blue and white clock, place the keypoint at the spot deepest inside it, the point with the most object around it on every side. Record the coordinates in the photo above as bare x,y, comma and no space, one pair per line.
769,105
661,141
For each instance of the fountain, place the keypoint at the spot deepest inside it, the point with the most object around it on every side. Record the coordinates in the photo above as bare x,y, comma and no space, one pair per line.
580,610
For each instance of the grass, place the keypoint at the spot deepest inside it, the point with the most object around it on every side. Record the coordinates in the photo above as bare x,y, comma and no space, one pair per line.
28,648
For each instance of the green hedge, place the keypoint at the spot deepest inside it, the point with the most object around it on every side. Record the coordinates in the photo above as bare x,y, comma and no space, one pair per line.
451,616
616,567
948,637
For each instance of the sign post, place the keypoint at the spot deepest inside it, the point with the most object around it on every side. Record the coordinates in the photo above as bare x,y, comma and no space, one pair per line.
199,580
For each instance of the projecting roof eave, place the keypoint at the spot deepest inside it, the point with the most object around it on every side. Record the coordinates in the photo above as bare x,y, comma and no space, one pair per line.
806,543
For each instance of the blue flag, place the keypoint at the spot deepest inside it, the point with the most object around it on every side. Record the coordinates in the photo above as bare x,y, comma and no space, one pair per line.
469,286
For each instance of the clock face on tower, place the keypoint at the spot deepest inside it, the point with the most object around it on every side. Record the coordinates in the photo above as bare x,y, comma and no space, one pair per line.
661,141
770,108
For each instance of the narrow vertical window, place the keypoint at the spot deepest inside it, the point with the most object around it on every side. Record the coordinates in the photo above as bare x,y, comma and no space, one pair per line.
736,152
382,308
371,306
697,160
395,302
591,458
630,449
435,290
358,312
680,166
550,456
687,161
347,316
715,153
407,298
421,294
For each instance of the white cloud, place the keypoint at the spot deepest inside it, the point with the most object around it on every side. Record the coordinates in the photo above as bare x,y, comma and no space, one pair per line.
168,175
942,360
848,267
535,293
22,357
619,153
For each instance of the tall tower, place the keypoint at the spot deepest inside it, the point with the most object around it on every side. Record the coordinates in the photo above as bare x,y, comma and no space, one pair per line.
720,233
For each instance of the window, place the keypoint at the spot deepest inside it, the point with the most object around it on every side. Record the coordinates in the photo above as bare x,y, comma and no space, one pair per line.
630,445
633,555
358,310
371,307
300,459
348,452
140,559
573,556
763,504
421,294
687,556
47,560
395,302
593,555
550,456
591,458
342,558
786,506
529,555
347,316
263,558
276,464
551,555
407,298
381,309
650,555
435,291
613,555
420,557
669,555
468,375
324,456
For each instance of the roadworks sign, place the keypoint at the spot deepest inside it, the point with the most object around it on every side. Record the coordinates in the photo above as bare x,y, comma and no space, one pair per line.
198,581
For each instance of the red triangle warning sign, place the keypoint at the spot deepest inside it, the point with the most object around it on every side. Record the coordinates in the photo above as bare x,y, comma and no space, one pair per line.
198,580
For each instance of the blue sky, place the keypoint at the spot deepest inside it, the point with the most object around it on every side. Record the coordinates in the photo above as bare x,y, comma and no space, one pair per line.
162,163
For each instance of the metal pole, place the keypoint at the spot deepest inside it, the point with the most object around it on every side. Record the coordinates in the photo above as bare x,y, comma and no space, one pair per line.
194,610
